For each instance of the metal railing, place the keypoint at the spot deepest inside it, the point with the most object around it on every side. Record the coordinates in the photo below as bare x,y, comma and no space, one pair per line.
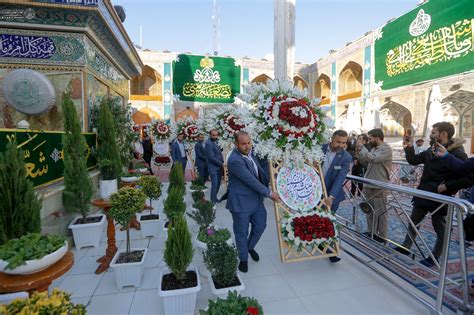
398,203
402,173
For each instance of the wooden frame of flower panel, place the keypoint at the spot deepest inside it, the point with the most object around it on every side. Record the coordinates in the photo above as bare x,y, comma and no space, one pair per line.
287,252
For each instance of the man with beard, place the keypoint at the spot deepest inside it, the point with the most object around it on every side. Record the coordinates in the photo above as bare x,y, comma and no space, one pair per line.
214,163
335,167
246,192
435,173
178,152
379,164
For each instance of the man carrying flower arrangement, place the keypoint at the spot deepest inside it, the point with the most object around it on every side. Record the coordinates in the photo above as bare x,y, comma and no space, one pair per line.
335,167
246,191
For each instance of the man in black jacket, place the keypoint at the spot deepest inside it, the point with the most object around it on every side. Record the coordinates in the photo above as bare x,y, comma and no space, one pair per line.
435,173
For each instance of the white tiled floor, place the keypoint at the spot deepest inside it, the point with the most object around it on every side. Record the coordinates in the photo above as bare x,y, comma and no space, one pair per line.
310,287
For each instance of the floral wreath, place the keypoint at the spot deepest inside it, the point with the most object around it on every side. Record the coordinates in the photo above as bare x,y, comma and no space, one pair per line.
289,126
227,121
189,128
161,130
315,228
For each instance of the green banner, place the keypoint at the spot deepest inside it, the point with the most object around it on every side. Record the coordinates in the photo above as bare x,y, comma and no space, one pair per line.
44,152
432,41
206,79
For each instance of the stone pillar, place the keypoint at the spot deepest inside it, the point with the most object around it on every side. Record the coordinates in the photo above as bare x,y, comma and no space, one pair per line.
284,39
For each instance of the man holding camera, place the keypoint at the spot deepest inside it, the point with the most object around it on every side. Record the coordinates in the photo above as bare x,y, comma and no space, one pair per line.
435,173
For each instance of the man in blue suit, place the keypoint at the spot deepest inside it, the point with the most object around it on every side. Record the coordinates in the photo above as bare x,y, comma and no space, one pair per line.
178,152
201,160
335,167
214,163
246,192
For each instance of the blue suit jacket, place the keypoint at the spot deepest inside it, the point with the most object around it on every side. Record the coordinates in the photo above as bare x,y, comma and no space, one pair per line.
336,175
176,154
214,156
245,191
201,159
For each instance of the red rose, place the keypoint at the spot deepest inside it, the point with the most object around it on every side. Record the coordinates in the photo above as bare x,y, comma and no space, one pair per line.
252,310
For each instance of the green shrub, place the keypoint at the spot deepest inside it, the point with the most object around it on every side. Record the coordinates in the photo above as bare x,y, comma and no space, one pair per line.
151,186
179,250
197,195
28,247
125,203
221,261
198,184
204,215
108,154
213,235
174,205
234,303
77,191
176,177
19,206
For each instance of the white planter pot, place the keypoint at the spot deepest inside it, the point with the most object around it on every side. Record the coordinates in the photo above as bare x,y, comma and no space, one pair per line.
182,301
130,179
223,292
149,227
203,190
107,188
203,245
128,274
87,234
35,265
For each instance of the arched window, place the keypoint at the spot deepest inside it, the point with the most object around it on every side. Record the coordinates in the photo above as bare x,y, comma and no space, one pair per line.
350,81
263,78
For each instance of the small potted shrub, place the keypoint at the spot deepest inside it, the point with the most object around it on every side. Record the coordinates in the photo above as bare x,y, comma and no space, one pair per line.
58,302
174,205
108,154
128,263
204,214
176,178
31,253
151,187
179,285
234,303
197,195
86,229
221,261
198,184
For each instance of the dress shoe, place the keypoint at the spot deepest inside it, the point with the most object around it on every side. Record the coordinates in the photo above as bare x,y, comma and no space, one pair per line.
428,262
254,255
334,259
243,266
402,250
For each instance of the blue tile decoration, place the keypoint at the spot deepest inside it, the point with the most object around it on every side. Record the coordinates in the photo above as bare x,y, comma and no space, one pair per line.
21,46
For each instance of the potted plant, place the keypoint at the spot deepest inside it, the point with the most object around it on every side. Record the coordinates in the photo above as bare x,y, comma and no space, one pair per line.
197,195
176,178
221,261
128,263
179,285
77,193
19,206
107,152
31,253
198,184
174,205
58,302
234,303
151,187
204,214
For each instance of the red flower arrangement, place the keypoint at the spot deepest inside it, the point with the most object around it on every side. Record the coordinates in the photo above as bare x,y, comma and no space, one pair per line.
234,127
188,128
161,130
313,229
162,159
